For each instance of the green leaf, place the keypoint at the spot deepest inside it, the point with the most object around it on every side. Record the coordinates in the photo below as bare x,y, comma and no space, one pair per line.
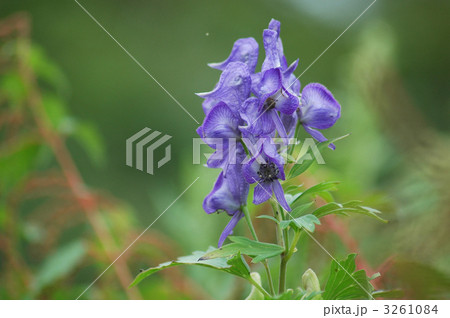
59,264
258,251
344,283
292,188
268,217
89,138
346,208
16,163
307,221
318,188
235,265
298,169
46,70
13,88
301,209
54,109
389,294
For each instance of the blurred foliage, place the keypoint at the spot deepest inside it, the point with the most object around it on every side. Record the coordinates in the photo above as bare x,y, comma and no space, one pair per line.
389,72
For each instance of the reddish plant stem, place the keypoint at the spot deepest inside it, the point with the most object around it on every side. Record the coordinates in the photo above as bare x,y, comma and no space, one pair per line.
85,199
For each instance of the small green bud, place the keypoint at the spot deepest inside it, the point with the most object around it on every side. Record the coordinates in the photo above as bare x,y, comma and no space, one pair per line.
310,281
255,294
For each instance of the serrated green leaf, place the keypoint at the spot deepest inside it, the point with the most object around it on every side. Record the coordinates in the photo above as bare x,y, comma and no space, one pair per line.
258,251
298,169
307,221
344,283
235,265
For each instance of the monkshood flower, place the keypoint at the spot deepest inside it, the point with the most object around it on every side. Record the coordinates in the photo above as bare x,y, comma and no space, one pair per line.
234,88
274,97
258,124
245,51
318,110
229,194
266,169
275,86
221,125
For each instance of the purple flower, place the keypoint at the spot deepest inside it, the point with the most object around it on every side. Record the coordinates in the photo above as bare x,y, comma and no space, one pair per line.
229,194
245,51
275,86
318,110
258,124
220,125
266,169
274,96
233,88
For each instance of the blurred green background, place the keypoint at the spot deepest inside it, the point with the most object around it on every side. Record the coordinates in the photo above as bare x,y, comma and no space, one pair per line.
389,71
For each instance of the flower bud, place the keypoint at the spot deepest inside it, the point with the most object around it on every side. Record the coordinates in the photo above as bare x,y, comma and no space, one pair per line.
255,294
310,281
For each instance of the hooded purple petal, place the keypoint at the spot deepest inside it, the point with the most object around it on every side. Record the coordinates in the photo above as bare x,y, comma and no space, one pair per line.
272,60
221,122
245,51
319,108
276,25
258,123
229,193
272,94
273,47
270,84
233,88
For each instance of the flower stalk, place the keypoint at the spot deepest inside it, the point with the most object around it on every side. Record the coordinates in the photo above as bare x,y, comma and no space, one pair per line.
265,263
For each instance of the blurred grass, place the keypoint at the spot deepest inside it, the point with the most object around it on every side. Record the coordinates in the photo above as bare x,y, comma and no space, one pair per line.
389,72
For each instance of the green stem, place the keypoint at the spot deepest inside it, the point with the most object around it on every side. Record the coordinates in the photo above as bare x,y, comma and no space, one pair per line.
249,222
277,215
283,240
265,263
283,267
284,256
291,250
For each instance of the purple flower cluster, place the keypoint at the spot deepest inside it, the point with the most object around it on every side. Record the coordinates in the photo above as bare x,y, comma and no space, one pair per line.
255,106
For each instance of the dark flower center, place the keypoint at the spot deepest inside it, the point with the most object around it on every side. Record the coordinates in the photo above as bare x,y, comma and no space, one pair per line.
268,172
269,103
